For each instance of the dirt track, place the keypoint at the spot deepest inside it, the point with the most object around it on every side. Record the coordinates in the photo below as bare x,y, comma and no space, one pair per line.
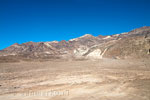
105,79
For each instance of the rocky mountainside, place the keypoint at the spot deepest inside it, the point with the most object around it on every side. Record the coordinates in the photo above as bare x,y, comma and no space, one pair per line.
135,43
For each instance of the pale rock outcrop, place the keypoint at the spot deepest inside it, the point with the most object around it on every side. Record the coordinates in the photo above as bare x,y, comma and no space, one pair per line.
80,51
96,54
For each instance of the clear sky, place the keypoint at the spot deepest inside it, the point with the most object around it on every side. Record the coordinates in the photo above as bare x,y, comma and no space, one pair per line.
47,20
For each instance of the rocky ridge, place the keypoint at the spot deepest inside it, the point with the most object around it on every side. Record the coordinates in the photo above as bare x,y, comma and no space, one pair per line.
135,43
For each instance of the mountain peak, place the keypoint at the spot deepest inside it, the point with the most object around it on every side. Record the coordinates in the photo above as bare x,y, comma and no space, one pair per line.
63,41
15,44
86,35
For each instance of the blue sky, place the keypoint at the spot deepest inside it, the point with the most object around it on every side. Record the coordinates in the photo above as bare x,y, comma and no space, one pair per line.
47,20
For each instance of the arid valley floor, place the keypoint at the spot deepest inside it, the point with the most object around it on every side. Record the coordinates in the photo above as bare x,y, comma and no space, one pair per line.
105,79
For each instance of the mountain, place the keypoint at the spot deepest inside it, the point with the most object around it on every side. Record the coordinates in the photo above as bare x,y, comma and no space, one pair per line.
133,44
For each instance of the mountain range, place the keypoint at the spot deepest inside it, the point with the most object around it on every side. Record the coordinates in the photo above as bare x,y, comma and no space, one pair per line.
133,44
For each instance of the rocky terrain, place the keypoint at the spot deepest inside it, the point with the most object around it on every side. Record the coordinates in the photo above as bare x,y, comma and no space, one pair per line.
133,44
115,67
104,79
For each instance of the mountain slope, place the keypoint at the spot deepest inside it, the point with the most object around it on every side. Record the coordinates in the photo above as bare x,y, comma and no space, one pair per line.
133,44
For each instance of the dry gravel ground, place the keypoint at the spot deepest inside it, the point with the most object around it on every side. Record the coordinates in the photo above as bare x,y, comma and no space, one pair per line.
106,79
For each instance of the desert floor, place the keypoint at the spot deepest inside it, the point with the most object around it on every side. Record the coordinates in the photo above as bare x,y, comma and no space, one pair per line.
105,79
